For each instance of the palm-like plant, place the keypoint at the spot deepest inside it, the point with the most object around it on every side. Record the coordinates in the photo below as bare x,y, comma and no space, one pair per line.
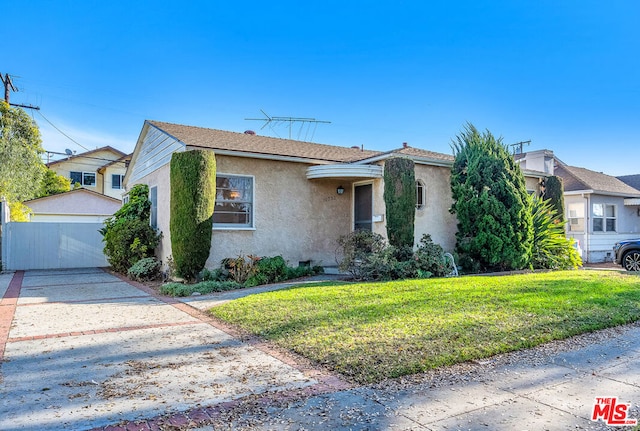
551,248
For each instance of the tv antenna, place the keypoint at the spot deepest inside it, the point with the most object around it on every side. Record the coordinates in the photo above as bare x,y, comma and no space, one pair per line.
518,146
272,121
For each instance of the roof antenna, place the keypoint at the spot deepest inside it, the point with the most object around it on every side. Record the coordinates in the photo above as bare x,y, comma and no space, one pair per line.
268,120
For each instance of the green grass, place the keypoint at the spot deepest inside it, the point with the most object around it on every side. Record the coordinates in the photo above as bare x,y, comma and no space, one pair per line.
372,331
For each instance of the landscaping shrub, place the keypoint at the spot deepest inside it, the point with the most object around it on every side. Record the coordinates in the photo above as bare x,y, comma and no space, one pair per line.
368,257
400,201
429,257
127,235
356,247
554,192
551,248
491,202
240,268
193,193
145,269
204,287
267,270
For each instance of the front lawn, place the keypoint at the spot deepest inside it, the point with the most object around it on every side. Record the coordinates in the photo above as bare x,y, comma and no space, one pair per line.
371,331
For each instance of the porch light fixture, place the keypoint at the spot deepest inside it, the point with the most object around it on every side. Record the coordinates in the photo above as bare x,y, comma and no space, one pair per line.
340,190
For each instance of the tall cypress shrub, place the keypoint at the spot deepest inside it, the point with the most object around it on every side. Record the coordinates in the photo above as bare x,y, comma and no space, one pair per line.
491,202
554,192
193,193
400,201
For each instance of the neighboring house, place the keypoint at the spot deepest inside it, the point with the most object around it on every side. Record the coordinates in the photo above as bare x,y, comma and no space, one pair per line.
600,210
631,180
75,206
101,170
292,198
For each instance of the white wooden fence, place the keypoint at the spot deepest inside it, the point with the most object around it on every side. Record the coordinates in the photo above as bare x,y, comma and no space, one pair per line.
51,246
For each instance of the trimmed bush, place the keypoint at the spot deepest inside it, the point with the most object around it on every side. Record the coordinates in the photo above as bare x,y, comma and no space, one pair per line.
400,201
193,193
145,269
554,192
491,203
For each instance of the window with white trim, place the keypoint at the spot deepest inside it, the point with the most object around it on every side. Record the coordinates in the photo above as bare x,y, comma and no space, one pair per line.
420,195
83,178
234,202
116,181
604,218
575,217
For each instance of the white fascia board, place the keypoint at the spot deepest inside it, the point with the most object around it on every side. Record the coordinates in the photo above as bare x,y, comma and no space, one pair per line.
344,171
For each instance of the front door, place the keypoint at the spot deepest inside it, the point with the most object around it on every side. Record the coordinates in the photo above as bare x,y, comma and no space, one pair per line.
362,207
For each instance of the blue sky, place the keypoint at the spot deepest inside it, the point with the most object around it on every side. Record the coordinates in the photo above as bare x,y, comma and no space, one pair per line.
563,74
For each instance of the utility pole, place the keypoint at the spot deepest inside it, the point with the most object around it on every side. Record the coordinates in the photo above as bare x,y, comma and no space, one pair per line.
8,88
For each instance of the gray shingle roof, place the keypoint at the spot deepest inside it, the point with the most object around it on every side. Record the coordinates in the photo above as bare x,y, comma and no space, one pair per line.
233,141
578,179
631,180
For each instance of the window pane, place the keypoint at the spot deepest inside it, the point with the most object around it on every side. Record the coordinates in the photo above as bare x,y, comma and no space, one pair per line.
597,225
611,225
89,179
611,211
234,201
153,197
76,177
116,181
598,210
419,194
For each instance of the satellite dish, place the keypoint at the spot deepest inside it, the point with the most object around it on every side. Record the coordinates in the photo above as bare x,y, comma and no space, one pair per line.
68,152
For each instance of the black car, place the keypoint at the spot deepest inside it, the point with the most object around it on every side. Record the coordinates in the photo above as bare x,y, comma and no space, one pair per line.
627,254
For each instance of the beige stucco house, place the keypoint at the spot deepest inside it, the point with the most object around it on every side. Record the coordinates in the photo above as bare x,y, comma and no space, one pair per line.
291,198
101,170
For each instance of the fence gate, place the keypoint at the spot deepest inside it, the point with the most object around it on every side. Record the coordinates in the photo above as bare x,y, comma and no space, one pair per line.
36,245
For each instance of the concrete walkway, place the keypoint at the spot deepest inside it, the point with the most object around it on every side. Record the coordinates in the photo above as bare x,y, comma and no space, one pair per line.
83,349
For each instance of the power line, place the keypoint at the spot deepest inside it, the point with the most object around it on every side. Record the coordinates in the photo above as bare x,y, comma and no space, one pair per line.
69,137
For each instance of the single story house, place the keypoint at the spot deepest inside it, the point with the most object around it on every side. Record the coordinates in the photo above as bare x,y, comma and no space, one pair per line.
75,206
600,210
291,198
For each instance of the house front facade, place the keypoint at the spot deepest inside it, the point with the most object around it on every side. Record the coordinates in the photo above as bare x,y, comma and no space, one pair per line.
600,210
101,170
291,198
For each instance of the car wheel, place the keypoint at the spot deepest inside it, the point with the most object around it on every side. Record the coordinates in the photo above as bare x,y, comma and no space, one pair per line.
631,260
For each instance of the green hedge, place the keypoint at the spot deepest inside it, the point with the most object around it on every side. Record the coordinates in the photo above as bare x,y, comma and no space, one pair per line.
400,201
193,193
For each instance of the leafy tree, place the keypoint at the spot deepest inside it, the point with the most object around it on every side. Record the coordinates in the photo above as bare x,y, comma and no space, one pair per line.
21,169
53,184
400,201
127,235
19,212
551,248
193,193
554,192
491,202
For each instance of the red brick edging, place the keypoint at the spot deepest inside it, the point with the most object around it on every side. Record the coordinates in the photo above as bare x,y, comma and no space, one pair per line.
8,308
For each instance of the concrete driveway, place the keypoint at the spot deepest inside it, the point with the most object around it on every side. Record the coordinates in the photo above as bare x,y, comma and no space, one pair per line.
82,349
